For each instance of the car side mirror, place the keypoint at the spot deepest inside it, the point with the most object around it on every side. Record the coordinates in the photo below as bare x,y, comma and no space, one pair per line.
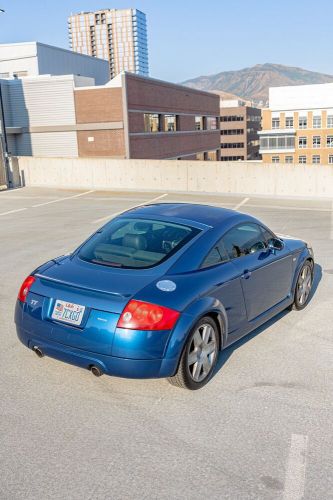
275,244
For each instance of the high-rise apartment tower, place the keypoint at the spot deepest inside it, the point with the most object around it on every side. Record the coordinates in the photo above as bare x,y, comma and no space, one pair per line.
119,36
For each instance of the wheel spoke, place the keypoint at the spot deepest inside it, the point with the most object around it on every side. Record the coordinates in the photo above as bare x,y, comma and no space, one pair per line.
206,365
210,347
206,332
197,367
192,358
197,339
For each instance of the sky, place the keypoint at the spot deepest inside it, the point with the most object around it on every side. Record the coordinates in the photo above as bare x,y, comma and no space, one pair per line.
189,38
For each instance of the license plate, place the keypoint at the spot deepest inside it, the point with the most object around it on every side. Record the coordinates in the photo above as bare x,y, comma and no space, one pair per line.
68,312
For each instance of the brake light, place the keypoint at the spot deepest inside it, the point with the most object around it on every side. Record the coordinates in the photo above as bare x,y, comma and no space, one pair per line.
139,315
24,290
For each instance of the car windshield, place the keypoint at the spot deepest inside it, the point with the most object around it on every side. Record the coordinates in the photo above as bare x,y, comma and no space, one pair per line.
136,243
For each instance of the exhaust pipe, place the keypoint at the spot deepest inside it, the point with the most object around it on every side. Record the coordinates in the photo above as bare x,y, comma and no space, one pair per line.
38,351
96,371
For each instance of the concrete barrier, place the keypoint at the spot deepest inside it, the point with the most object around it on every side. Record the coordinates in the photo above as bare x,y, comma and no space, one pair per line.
248,178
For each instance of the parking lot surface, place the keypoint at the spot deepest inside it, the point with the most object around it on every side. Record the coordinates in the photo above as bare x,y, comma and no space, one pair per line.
261,429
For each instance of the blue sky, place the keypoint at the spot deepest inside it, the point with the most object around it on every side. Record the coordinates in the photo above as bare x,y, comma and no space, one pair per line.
188,38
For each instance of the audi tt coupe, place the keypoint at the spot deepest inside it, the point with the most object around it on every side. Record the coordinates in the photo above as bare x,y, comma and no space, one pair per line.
159,290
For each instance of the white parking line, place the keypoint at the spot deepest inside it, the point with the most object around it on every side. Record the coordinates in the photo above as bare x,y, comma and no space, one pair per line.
296,464
289,207
241,203
12,211
63,199
107,217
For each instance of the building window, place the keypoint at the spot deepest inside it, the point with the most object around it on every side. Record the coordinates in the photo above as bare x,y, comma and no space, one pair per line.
302,142
316,159
288,159
234,145
232,158
275,122
302,159
329,141
211,123
330,159
152,122
316,141
275,159
254,118
199,123
316,122
274,142
329,121
170,123
232,118
200,156
289,122
233,131
302,122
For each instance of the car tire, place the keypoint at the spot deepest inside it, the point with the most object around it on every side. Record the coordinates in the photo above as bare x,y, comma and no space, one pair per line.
199,356
303,287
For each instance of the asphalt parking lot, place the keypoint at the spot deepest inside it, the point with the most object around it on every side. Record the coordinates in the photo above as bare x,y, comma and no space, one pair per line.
261,429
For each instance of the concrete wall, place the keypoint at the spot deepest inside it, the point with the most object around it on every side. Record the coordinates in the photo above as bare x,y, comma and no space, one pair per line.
253,178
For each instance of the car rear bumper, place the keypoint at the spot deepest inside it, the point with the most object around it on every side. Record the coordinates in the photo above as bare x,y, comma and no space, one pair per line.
110,365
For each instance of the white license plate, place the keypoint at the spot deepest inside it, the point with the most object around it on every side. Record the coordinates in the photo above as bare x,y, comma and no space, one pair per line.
68,312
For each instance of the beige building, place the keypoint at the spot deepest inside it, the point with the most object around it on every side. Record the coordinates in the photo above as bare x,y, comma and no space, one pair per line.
239,127
298,126
119,36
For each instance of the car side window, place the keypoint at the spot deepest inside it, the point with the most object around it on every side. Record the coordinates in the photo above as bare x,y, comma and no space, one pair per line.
217,255
243,240
268,236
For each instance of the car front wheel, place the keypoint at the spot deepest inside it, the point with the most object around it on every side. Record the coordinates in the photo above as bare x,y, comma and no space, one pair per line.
199,356
303,286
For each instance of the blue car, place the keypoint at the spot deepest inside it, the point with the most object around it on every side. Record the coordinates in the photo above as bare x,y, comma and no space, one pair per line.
160,290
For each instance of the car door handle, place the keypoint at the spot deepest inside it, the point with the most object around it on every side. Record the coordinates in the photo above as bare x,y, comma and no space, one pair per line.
246,274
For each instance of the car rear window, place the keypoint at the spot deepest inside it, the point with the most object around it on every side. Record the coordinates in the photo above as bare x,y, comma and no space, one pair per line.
136,243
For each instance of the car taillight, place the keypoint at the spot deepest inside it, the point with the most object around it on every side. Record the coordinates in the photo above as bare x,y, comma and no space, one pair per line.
24,290
139,315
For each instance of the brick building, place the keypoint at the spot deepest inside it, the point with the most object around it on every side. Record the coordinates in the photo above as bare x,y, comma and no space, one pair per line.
140,117
129,117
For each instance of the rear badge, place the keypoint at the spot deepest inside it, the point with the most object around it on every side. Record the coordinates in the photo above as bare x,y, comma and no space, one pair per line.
166,286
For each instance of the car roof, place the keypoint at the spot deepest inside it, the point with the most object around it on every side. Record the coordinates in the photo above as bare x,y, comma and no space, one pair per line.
196,213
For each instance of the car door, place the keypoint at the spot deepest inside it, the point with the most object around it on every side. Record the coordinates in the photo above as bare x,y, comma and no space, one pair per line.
226,287
265,274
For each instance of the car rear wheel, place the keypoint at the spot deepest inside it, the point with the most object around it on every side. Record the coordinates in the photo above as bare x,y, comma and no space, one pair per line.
303,286
199,356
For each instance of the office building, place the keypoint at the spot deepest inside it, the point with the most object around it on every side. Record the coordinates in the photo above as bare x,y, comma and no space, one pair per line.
239,127
35,58
298,126
130,117
117,35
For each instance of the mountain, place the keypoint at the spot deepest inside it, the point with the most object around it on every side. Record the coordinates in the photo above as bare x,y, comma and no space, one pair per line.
253,83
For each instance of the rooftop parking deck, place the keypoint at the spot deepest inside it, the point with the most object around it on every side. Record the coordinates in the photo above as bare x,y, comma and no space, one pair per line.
262,427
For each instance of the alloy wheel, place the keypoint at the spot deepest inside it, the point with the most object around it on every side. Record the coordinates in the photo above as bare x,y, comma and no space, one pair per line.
202,352
304,285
